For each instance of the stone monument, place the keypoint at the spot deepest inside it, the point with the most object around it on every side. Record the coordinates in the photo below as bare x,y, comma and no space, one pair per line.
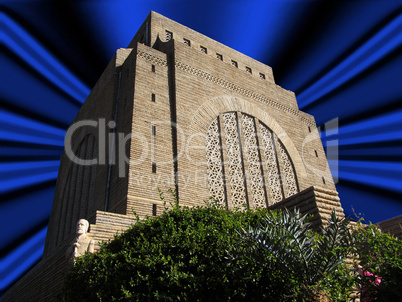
178,110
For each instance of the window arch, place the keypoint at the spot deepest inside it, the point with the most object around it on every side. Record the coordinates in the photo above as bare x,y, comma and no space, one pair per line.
247,164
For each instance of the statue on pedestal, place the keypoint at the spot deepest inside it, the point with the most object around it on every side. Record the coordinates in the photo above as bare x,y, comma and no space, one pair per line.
83,243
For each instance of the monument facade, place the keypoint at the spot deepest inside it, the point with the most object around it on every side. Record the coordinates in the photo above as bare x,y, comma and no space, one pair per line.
178,110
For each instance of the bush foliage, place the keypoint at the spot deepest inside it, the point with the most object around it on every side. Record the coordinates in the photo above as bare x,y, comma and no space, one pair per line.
310,265
379,259
178,256
211,254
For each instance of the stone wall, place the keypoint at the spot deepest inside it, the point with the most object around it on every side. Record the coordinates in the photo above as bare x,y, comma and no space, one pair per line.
156,101
392,226
150,112
315,201
44,281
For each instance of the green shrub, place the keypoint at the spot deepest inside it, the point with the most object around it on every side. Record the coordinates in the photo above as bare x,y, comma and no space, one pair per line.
379,258
178,256
310,264
211,254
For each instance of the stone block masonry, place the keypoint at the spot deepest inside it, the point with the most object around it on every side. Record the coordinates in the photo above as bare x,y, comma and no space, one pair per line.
178,110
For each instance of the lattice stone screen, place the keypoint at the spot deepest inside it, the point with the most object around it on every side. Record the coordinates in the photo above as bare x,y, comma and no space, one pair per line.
248,165
214,162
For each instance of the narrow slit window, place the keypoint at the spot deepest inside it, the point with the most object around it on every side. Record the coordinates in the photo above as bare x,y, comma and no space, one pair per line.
187,42
234,63
323,180
309,129
153,130
153,167
153,97
153,68
316,154
219,56
262,76
168,35
203,49
154,209
248,69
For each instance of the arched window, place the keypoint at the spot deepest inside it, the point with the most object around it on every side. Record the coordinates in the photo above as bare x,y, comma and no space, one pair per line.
248,165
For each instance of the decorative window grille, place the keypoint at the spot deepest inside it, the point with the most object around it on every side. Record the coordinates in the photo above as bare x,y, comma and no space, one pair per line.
289,179
271,164
214,163
257,194
235,162
257,170
168,35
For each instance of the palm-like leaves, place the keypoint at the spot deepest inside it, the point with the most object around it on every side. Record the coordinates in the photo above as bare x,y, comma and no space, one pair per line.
333,245
292,248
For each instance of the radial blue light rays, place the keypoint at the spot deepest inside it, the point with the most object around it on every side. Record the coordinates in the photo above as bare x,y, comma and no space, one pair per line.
383,175
359,77
387,122
394,135
36,88
371,92
383,128
30,211
20,129
16,263
114,23
22,44
18,175
350,26
380,151
260,26
24,91
376,48
364,155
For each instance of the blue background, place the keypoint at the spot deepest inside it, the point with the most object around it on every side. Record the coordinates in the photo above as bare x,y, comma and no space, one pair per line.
343,59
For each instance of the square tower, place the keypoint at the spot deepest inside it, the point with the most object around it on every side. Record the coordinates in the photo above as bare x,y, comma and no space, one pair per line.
178,110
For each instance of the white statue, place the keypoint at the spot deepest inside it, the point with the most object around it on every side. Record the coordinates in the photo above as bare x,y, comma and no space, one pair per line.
83,243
